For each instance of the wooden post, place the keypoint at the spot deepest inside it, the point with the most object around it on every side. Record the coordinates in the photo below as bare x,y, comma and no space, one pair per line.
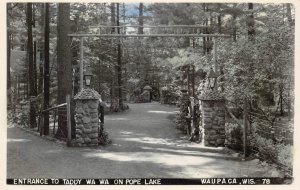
68,100
245,123
188,80
41,123
54,120
289,101
215,62
81,64
193,81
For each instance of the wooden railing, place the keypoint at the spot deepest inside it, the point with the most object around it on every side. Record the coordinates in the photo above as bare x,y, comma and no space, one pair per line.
55,111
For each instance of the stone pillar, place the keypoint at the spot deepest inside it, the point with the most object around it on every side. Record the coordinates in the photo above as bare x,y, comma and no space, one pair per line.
87,118
146,93
213,118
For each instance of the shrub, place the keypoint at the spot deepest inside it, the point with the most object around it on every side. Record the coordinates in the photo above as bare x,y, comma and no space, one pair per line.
21,116
267,149
181,120
168,96
284,155
234,136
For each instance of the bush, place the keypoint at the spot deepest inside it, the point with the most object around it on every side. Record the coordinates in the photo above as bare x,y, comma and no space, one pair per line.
267,149
284,155
234,136
181,120
21,116
168,96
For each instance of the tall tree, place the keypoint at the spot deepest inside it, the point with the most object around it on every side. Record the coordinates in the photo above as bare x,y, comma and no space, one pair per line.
113,23
8,50
219,18
250,23
112,16
42,53
64,65
119,62
32,114
46,68
141,18
34,9
289,13
234,28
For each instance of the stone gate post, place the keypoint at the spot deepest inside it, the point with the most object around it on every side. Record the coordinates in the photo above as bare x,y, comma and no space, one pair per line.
213,118
87,117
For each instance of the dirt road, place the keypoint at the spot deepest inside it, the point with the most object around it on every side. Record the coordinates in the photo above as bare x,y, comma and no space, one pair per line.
145,144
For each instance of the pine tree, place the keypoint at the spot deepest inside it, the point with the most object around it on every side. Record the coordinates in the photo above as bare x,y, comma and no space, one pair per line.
64,64
46,69
30,63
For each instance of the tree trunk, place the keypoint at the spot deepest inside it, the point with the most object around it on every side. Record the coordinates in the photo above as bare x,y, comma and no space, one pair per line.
141,18
34,7
289,14
32,114
18,88
281,100
40,77
11,41
113,23
145,66
34,68
46,68
234,28
219,19
206,40
250,23
112,17
8,55
119,64
64,66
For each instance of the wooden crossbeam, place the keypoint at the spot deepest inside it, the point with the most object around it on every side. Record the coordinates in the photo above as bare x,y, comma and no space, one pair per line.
148,35
145,26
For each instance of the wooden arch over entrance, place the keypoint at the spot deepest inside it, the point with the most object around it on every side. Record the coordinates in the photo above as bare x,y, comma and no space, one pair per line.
173,31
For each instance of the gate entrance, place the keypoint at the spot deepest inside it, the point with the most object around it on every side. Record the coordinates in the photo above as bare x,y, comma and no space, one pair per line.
175,31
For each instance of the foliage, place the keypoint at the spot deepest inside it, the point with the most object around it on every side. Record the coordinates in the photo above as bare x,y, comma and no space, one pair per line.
261,70
182,121
257,69
21,117
234,136
169,95
104,138
266,149
284,155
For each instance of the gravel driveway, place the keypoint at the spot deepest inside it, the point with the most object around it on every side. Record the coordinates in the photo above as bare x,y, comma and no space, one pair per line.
145,144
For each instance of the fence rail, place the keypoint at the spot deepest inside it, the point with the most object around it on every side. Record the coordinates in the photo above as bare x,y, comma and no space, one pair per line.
61,111
269,139
278,131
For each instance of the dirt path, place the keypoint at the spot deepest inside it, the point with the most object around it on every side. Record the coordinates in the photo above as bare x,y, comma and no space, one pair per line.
145,144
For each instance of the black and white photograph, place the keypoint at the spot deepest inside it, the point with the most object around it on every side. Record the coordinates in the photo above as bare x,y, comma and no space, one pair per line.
149,93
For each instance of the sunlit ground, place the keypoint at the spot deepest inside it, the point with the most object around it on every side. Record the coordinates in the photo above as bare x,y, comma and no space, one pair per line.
145,143
162,112
17,140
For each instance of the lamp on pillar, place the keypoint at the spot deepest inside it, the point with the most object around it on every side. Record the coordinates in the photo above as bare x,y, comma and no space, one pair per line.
88,76
184,89
212,79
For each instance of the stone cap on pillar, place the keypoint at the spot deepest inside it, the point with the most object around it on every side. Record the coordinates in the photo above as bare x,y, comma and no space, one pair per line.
87,94
210,95
147,87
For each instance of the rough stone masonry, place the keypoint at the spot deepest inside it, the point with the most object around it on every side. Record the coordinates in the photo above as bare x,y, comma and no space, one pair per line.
87,117
213,119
